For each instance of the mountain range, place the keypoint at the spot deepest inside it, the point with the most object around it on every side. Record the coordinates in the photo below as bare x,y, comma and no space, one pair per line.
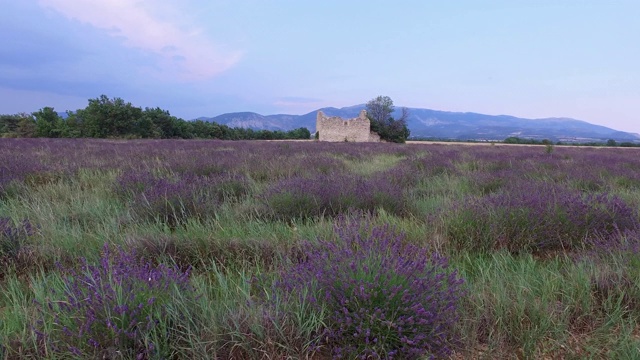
435,124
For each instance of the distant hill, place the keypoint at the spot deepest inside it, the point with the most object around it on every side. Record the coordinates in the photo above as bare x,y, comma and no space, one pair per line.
426,123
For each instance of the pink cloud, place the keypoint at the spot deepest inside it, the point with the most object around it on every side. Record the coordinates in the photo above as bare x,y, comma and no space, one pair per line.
135,23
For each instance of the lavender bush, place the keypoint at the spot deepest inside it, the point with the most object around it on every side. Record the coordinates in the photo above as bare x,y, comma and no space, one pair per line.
385,298
530,216
626,242
12,237
174,201
133,183
113,307
332,196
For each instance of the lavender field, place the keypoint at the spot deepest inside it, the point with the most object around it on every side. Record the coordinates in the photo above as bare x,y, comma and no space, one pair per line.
194,249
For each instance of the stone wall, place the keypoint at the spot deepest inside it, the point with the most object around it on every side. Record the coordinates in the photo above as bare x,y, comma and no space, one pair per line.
337,129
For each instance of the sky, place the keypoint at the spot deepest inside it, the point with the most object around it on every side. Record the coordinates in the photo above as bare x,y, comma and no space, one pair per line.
534,59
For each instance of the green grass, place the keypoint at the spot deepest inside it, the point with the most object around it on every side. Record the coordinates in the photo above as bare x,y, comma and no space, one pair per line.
548,308
572,305
80,213
374,164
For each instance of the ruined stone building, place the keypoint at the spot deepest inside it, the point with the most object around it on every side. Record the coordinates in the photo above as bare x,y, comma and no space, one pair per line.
337,129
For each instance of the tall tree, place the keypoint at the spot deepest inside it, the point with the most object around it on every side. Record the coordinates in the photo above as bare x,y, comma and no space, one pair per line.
105,117
18,125
47,121
164,125
26,126
380,113
9,123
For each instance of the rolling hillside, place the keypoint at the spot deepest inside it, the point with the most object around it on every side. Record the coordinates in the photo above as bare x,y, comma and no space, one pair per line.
426,123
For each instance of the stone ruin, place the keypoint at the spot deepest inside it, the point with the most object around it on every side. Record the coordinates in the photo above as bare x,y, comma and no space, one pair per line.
337,129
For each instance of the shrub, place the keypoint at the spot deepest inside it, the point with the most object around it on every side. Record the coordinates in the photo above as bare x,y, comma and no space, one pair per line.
174,201
18,255
112,307
332,195
13,252
12,237
625,242
535,216
384,298
171,202
133,183
229,188
379,112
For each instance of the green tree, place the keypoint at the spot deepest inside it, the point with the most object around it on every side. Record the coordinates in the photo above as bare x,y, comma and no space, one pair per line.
145,128
164,125
201,129
216,131
47,121
380,113
73,126
105,117
26,126
9,124
299,133
18,125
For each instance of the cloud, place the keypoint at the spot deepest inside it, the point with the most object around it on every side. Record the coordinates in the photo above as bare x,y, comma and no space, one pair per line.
184,53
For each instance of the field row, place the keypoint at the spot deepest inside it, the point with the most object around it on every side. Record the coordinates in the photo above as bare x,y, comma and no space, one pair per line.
216,249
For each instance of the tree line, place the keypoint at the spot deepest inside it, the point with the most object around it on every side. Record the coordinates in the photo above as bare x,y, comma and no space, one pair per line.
114,118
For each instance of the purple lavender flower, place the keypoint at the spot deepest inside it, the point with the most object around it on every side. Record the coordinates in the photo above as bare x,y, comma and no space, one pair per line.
386,298
12,237
114,304
532,216
333,195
